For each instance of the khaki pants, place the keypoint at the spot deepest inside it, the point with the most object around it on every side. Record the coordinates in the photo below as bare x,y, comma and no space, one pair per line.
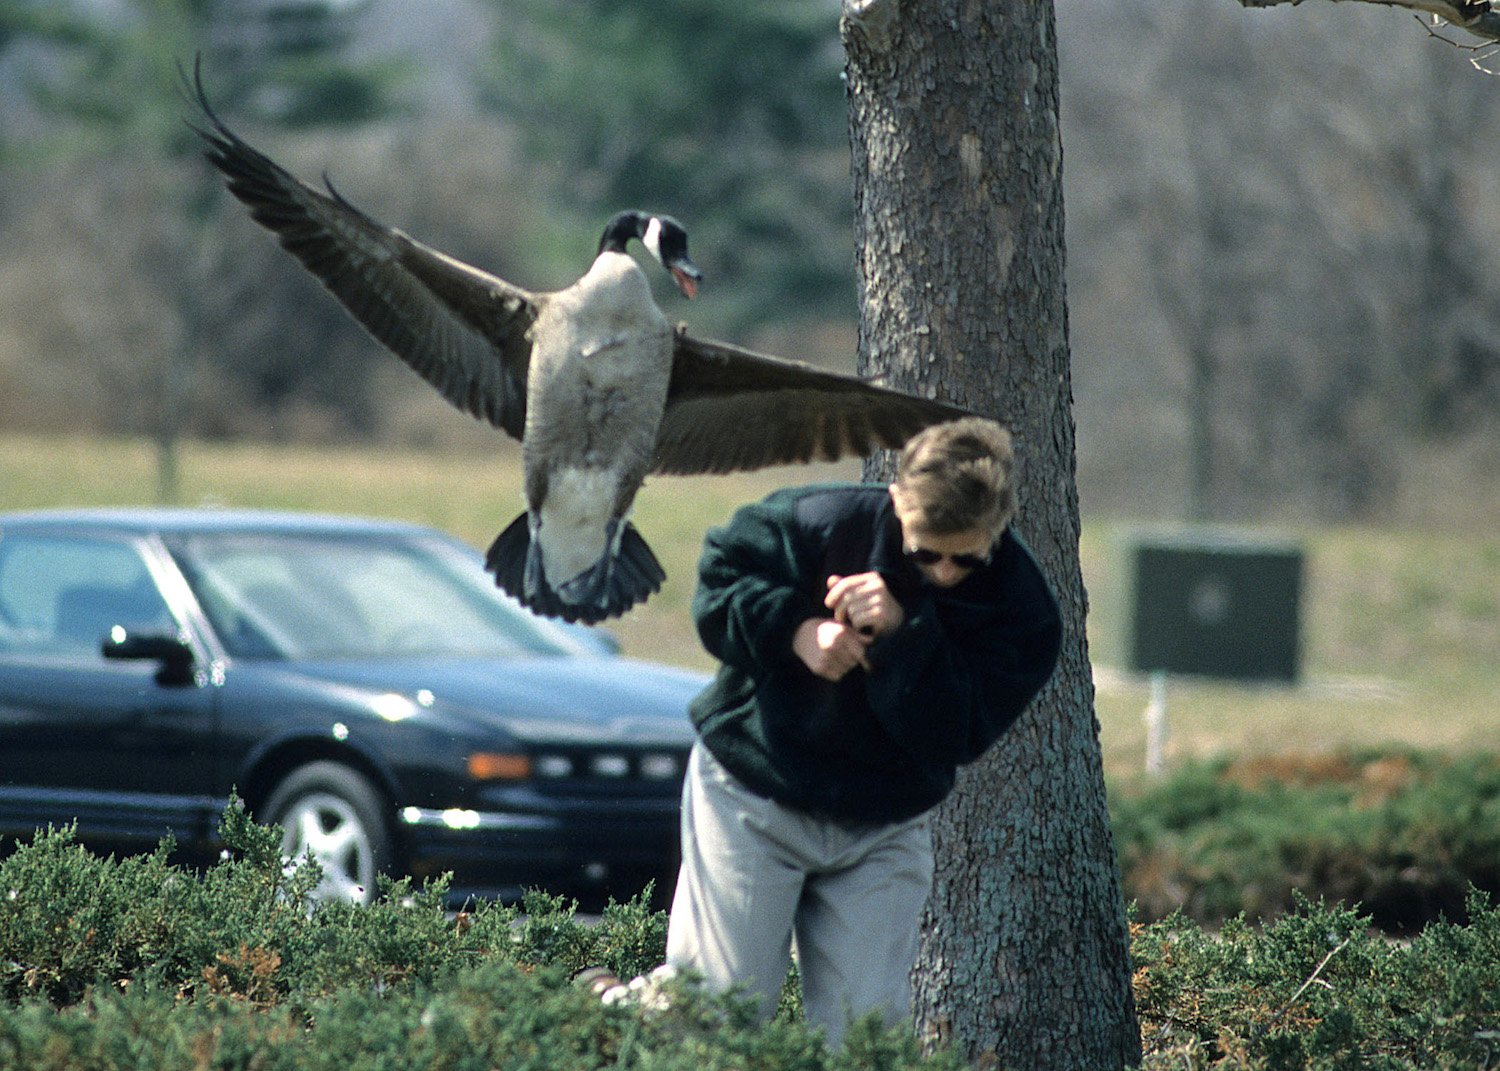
755,875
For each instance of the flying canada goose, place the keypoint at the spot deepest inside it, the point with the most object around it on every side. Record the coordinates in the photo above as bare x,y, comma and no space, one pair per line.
593,380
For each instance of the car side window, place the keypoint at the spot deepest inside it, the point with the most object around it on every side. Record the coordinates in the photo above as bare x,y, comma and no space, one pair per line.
63,594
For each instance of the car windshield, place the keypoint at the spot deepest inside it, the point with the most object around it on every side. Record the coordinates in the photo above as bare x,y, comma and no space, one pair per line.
288,596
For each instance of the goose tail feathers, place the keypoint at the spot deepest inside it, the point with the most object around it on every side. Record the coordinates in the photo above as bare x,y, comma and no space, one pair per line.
508,556
627,574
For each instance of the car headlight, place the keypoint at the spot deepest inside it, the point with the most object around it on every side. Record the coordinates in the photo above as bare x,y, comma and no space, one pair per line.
561,765
660,766
554,766
609,764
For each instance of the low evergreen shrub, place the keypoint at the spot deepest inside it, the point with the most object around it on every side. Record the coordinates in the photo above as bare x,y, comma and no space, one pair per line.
132,963
1403,835
1318,988
112,963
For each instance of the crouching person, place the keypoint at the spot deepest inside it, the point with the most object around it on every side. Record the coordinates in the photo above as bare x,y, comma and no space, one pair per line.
871,639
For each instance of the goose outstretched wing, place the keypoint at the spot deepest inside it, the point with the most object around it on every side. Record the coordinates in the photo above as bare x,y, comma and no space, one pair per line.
730,409
461,329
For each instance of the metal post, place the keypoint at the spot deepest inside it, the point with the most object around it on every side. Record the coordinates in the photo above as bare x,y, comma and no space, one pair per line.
1156,722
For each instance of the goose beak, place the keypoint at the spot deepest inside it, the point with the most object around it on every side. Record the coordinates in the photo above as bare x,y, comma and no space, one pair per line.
687,278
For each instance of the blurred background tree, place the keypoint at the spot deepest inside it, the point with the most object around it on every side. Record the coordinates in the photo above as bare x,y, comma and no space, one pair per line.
1283,226
138,254
1282,274
729,116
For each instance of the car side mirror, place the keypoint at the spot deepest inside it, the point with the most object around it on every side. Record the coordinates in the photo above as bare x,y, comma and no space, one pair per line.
175,655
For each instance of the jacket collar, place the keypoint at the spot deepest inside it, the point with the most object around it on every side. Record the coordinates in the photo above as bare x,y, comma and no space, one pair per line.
888,556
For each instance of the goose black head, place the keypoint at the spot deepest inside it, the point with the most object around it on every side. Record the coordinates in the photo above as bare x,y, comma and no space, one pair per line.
663,236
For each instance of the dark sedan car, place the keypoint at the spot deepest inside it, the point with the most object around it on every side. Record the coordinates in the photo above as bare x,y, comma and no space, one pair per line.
361,683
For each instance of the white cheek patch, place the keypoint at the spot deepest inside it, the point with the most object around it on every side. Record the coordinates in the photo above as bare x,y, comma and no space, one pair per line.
652,238
574,521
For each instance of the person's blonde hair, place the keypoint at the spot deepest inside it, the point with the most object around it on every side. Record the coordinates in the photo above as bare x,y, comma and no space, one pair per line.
956,477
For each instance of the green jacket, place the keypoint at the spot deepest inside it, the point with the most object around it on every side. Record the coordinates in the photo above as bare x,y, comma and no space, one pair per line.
874,747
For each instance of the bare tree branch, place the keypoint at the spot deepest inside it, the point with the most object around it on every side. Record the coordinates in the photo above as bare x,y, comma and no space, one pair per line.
1480,17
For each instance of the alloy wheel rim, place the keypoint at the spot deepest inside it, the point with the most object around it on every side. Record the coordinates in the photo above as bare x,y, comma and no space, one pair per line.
329,829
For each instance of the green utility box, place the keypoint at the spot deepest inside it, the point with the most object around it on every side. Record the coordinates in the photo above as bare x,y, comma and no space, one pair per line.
1217,605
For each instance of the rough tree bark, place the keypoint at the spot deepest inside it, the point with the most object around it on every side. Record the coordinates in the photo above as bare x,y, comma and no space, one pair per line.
959,239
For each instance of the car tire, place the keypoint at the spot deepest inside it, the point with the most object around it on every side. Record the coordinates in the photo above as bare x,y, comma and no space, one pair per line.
336,814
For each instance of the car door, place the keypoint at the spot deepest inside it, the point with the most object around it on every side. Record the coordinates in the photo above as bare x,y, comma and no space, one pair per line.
82,737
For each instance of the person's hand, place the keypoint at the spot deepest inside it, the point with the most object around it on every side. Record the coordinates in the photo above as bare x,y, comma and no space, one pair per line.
864,603
829,648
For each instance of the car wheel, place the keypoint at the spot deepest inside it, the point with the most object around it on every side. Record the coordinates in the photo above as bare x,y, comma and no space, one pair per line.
334,814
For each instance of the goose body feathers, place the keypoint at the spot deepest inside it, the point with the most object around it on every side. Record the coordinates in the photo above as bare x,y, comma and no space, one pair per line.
601,361
592,379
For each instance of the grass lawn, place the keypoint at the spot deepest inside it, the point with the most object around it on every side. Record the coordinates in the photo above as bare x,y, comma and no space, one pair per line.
1401,629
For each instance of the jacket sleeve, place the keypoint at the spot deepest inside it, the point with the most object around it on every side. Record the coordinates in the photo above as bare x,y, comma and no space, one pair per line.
955,676
751,595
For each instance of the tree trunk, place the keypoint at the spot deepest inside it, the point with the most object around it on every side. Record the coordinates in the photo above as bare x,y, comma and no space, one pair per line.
959,241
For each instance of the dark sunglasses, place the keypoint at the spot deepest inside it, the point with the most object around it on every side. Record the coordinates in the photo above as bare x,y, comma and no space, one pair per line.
924,556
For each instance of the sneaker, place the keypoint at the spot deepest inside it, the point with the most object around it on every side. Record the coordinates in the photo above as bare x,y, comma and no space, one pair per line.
597,980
